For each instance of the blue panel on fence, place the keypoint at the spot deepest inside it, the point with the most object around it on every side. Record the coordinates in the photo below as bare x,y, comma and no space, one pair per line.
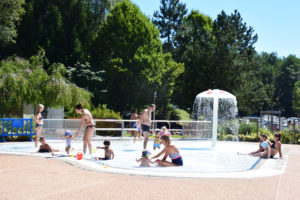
18,123
8,125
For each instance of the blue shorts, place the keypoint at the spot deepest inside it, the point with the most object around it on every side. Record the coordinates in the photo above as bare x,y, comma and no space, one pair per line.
178,161
156,145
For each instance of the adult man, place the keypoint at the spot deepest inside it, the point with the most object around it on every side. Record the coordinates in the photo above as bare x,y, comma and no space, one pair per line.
145,121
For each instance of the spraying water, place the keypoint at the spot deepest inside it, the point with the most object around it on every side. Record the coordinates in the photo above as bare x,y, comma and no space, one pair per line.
220,107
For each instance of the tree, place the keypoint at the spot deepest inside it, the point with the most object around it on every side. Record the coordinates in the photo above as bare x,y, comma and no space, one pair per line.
65,29
128,48
288,75
296,98
10,15
233,51
194,47
168,21
26,81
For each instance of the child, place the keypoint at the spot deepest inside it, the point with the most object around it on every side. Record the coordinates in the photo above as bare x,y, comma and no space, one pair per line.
44,147
108,152
164,131
156,141
267,150
145,161
68,137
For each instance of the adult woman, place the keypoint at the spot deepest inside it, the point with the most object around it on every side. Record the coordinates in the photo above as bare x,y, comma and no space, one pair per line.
38,119
171,151
276,146
86,118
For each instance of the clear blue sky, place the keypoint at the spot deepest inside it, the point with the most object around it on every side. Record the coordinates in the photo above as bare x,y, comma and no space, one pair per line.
276,22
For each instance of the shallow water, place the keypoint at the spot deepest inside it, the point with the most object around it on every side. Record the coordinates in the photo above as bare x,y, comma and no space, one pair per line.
198,156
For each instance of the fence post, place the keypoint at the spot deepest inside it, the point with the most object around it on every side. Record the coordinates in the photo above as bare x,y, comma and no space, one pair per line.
257,128
294,130
122,130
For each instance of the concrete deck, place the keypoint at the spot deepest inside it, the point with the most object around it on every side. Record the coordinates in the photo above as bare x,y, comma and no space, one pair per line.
24,177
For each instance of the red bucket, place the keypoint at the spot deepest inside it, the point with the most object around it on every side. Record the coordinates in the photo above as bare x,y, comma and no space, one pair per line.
79,156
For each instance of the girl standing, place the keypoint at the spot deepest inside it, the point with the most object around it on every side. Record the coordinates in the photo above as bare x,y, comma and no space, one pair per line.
38,119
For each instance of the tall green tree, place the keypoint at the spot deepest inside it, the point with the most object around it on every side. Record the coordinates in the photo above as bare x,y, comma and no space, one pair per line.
10,15
194,47
296,98
289,74
233,51
168,20
128,48
65,29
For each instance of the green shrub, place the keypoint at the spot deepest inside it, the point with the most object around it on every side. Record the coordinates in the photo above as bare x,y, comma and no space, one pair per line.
247,128
103,112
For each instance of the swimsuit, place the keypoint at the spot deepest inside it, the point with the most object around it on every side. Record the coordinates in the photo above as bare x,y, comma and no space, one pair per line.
90,126
273,146
37,125
145,128
68,142
44,151
156,145
176,158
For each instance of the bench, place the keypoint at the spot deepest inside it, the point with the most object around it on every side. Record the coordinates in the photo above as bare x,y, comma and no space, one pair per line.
11,127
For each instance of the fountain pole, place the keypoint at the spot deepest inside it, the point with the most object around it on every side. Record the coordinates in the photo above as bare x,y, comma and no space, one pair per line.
215,121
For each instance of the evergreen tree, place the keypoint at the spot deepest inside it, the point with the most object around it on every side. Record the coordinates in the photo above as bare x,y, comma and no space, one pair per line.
168,20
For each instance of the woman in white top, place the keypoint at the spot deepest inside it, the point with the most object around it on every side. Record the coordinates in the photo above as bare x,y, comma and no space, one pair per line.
90,126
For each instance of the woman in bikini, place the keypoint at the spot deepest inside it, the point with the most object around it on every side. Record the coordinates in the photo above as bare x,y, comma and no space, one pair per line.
38,119
90,126
171,151
276,146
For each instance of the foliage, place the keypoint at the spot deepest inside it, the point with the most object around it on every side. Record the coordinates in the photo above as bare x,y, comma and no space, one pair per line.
296,98
10,15
26,81
129,50
288,75
168,20
83,76
103,112
65,29
247,128
194,48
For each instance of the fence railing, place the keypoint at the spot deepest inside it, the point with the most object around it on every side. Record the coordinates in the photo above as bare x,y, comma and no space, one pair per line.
12,126
55,128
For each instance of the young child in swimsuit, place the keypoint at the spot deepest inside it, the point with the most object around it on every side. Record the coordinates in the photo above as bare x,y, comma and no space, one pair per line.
108,152
145,161
45,148
68,137
156,141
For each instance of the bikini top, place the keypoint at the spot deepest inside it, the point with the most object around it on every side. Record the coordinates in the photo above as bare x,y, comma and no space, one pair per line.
273,146
174,155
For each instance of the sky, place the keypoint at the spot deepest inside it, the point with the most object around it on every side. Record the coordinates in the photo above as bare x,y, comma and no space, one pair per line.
276,22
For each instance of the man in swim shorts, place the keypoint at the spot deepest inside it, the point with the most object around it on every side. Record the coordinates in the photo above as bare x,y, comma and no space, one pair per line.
145,121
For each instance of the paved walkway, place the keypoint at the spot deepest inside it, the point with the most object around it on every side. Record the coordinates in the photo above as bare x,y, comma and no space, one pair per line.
23,177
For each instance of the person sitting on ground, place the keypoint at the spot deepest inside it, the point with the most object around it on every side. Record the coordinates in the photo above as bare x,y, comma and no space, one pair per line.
68,137
267,150
156,141
44,147
108,152
170,150
263,138
145,161
276,146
